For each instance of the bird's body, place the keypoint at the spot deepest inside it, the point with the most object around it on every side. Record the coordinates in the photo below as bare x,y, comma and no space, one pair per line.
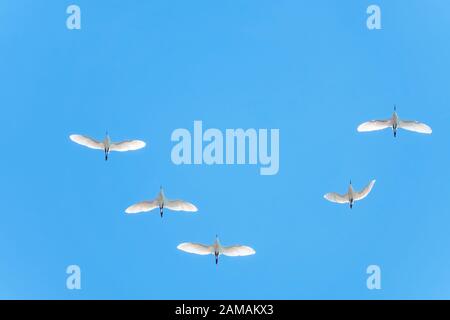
351,196
107,145
216,249
395,123
161,202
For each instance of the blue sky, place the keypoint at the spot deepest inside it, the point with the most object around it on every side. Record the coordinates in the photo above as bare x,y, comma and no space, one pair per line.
141,69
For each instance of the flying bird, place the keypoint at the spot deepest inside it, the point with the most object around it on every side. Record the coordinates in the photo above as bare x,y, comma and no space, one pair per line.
216,249
161,202
351,196
107,145
395,123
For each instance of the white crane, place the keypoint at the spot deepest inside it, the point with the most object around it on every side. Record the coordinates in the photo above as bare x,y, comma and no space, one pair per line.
216,249
161,202
107,145
395,123
351,196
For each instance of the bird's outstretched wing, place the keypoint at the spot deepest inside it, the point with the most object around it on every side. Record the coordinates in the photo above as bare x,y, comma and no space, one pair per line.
238,251
415,126
374,125
180,205
87,142
129,145
196,248
143,206
362,194
337,198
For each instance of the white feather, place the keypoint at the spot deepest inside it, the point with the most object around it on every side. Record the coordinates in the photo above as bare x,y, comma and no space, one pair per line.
196,248
87,141
129,145
375,125
237,251
337,198
415,126
143,206
180,205
365,192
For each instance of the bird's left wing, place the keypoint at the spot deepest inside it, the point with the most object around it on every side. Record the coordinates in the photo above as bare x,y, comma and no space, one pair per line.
362,194
143,206
336,197
415,126
129,145
196,248
87,141
374,125
238,251
180,205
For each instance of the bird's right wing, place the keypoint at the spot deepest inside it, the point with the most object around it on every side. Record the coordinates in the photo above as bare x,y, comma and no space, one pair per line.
196,248
337,198
415,126
143,206
375,125
238,251
180,205
87,142
129,145
364,193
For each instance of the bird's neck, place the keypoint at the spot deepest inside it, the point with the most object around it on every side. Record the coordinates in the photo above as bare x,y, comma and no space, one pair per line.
395,116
